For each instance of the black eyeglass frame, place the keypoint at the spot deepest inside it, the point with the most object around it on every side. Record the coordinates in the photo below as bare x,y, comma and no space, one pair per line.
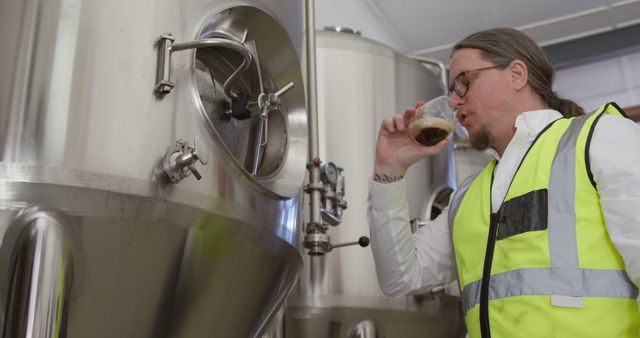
461,81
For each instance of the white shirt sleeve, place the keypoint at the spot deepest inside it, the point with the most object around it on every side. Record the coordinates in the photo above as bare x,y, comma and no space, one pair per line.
407,263
615,164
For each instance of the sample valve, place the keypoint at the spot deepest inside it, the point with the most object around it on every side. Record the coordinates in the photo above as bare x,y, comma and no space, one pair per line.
180,160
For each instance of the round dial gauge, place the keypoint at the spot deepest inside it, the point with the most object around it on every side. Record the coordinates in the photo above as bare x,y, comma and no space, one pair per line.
330,173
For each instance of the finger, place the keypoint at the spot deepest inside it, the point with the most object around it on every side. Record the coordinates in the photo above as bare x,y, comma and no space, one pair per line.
437,148
388,125
419,112
400,122
410,110
442,144
409,113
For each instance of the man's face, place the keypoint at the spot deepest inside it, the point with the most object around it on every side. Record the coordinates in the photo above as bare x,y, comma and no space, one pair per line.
483,88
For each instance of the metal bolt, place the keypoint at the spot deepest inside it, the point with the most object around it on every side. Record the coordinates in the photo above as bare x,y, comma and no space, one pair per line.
165,89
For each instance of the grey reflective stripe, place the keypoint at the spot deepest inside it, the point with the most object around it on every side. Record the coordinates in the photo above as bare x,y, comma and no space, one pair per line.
563,247
547,282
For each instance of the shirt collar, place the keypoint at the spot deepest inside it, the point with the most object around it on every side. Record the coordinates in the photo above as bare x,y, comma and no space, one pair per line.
532,122
529,124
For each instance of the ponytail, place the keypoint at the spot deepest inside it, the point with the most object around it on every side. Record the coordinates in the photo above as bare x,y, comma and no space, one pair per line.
566,107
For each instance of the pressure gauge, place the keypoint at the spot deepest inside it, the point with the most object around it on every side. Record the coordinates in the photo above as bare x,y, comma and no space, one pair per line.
329,173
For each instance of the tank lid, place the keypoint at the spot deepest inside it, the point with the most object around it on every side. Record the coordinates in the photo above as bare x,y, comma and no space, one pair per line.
340,29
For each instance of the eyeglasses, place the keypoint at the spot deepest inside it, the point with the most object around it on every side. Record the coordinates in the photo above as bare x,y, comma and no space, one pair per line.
461,83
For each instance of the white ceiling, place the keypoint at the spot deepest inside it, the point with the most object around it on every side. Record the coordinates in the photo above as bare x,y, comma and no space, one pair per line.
429,28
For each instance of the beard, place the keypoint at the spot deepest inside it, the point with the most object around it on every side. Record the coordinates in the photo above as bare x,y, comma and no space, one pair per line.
481,139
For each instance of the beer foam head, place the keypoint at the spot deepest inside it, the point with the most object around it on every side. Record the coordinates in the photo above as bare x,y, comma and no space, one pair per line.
429,122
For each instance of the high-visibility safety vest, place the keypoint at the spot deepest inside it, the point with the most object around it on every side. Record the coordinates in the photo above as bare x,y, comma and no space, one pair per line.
543,265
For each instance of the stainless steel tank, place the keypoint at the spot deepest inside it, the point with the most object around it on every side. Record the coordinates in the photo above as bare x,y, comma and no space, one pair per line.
360,82
152,156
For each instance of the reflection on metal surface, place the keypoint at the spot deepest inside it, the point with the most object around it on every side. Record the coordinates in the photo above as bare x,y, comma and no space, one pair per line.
276,329
205,300
339,316
156,269
113,248
432,207
365,329
254,118
439,201
39,273
340,29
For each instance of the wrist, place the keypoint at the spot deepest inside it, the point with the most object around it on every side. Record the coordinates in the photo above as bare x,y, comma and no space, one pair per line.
384,178
389,169
382,174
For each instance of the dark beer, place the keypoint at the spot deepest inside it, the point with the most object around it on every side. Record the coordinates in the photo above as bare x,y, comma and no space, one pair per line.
430,131
431,136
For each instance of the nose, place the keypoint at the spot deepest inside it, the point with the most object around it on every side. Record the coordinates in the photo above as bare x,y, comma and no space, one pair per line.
455,102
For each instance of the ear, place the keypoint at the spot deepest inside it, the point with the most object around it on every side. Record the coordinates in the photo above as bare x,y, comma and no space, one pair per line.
519,75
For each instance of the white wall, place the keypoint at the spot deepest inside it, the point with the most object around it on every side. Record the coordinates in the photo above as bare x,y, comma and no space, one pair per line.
593,84
359,15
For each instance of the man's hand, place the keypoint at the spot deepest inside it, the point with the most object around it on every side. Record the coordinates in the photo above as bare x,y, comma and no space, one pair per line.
396,151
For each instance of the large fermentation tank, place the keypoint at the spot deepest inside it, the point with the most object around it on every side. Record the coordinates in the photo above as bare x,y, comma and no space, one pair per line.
134,203
360,82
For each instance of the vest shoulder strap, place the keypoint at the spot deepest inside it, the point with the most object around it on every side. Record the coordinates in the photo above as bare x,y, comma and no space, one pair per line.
610,108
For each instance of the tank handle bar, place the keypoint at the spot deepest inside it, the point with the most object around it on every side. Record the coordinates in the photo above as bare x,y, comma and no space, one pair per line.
164,85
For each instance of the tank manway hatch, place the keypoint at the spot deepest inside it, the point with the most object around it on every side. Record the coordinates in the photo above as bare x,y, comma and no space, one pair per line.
248,84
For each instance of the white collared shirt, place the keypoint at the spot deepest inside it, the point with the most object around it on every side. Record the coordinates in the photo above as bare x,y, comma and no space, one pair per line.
414,263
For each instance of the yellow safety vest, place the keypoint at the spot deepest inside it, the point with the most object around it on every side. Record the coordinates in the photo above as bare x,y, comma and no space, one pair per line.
543,265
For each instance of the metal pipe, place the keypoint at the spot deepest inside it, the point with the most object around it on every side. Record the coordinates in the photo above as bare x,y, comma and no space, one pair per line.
443,70
331,218
317,280
312,108
221,42
284,89
259,145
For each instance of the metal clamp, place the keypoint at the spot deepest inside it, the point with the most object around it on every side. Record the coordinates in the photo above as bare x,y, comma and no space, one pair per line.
164,85
317,243
180,160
